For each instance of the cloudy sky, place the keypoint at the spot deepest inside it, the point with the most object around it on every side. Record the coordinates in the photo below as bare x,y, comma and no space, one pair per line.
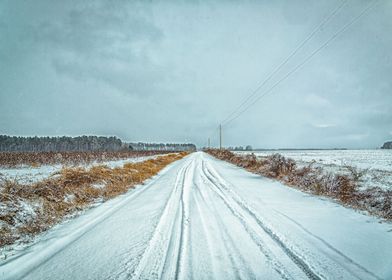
173,70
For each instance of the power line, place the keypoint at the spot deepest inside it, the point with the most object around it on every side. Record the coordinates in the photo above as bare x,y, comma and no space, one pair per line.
295,69
287,59
211,136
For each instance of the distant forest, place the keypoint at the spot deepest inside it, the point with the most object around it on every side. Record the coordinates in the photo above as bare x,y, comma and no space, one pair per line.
161,147
61,144
81,143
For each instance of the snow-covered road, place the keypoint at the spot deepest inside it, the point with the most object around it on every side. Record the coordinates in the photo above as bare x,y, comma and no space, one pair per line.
202,218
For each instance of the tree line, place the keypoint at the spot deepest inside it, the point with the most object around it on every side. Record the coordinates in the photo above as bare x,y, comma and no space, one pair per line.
140,146
82,143
64,143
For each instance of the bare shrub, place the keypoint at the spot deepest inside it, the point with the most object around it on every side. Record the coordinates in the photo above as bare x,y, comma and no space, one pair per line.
279,165
356,173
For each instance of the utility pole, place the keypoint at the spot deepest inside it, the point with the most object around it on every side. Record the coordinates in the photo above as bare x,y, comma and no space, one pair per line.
220,137
209,143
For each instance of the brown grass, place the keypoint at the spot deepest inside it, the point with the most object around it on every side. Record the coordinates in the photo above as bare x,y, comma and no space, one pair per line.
344,188
28,209
35,159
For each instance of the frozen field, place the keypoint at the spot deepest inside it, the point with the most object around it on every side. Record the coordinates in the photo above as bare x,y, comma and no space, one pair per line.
376,165
28,174
364,159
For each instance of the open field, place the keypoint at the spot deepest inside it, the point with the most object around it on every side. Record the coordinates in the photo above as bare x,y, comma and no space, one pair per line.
380,159
373,166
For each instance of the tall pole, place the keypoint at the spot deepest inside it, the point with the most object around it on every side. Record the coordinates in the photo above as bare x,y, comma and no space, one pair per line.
209,143
220,137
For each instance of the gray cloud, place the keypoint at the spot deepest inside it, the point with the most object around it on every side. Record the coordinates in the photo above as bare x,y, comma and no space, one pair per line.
171,71
105,43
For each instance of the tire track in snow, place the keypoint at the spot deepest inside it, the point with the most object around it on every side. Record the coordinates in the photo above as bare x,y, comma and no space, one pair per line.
335,255
258,241
331,259
339,254
205,201
339,260
184,242
154,262
209,242
297,260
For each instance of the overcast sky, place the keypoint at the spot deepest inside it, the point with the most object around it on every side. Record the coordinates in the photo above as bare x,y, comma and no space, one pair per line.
171,71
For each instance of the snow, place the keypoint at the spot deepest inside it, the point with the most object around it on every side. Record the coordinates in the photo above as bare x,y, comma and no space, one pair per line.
28,174
363,159
376,165
203,218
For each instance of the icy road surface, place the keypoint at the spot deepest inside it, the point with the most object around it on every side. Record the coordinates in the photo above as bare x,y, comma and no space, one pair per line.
202,218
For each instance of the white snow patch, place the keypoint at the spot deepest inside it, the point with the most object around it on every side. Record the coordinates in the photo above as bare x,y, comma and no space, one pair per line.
99,186
69,198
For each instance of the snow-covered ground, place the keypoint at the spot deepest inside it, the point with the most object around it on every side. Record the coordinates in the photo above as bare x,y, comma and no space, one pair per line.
28,174
364,159
202,218
376,165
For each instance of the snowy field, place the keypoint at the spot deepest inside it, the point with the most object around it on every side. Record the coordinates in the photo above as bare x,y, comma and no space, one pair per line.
376,165
364,159
28,174
202,218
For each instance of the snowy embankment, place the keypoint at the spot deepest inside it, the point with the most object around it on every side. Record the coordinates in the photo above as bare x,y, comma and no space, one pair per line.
29,208
203,218
345,187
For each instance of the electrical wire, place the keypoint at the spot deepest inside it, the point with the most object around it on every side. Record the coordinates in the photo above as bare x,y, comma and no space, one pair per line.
295,69
287,59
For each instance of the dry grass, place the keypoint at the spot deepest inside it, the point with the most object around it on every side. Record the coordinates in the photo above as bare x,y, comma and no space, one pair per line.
344,188
35,159
28,209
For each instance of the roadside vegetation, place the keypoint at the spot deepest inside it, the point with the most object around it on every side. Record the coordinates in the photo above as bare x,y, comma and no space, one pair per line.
29,209
344,188
17,159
